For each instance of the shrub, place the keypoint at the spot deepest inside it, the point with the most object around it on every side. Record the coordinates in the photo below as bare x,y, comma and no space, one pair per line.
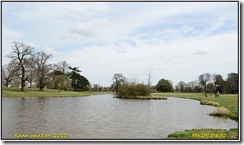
152,90
123,91
132,90
142,90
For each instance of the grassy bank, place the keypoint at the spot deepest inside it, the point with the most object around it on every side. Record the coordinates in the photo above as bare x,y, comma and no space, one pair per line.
205,134
34,92
229,101
147,97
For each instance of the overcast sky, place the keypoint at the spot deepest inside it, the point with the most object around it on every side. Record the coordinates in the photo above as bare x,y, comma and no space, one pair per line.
177,41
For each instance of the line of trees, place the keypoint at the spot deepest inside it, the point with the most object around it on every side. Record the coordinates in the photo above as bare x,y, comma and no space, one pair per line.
28,67
211,84
206,83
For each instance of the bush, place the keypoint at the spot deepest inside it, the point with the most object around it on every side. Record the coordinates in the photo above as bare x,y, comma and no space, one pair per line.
152,90
123,91
164,86
131,90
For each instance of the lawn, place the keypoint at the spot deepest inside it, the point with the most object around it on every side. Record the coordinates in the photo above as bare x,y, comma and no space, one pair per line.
34,92
204,134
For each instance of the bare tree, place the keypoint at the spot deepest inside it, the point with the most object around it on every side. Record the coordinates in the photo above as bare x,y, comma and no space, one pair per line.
42,68
62,67
149,79
31,70
192,86
181,86
118,80
20,54
96,87
203,80
61,75
9,71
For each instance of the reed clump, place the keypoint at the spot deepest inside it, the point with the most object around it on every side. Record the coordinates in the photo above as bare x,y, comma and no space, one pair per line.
221,112
209,102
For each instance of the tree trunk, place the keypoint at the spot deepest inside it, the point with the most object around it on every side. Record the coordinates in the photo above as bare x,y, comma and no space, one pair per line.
76,88
23,78
6,83
55,86
22,85
41,88
30,84
41,84
205,89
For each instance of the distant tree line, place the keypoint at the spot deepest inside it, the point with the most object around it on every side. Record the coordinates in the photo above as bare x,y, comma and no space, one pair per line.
206,83
211,84
28,67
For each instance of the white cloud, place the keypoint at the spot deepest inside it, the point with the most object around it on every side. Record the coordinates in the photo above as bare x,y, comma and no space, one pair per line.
141,58
10,33
42,10
105,38
50,50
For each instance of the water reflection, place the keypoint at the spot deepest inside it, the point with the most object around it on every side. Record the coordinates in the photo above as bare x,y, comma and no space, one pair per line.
105,117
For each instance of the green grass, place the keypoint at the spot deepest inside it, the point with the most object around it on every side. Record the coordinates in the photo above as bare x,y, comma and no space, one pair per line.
34,92
205,134
229,101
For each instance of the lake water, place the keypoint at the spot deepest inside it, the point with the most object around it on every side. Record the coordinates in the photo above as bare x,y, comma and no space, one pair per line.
105,117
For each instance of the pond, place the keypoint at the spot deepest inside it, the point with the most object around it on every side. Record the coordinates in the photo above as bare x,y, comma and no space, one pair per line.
105,117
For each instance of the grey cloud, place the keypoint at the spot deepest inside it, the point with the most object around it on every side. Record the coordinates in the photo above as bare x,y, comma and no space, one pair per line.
121,46
120,50
201,52
83,32
90,28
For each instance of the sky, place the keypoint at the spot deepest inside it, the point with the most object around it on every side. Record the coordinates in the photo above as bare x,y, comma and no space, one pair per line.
176,41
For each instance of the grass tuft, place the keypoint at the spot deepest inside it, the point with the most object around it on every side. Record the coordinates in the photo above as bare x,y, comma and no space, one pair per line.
221,112
209,102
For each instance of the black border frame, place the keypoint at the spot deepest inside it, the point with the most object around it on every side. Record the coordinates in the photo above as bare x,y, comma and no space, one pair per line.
240,60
